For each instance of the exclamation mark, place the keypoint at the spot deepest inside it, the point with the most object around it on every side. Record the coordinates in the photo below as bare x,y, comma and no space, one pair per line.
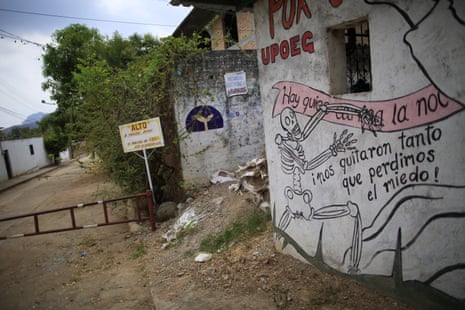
436,173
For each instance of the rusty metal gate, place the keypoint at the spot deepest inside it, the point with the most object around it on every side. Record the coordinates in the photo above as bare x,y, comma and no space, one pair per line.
139,217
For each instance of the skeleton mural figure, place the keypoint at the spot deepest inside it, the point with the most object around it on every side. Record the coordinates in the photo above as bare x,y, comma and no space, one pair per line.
293,162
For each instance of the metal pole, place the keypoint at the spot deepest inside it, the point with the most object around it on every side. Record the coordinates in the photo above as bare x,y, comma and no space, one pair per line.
148,175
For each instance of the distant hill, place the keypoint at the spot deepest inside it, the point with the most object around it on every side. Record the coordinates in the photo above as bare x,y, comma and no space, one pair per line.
30,122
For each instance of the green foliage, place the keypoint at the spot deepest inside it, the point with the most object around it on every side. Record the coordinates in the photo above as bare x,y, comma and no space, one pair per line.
254,224
60,62
139,250
62,57
20,133
101,83
52,128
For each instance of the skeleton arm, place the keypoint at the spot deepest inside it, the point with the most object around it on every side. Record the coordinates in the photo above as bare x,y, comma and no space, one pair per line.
319,115
319,160
367,117
339,145
342,108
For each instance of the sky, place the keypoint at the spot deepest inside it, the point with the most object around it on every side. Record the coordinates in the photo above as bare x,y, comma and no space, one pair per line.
35,21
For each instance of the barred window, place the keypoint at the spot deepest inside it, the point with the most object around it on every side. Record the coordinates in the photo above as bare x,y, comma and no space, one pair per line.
349,58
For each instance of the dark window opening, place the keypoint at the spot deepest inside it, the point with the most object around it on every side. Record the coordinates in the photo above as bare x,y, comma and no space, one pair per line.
349,58
31,149
231,35
357,42
205,42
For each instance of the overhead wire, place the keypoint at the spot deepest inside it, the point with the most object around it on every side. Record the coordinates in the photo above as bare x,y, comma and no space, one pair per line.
7,34
13,113
15,37
86,18
13,92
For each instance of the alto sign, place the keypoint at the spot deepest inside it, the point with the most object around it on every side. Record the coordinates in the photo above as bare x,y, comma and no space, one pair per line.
141,135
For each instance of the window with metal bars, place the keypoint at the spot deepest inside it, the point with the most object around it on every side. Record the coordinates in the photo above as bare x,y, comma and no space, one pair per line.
349,58
357,42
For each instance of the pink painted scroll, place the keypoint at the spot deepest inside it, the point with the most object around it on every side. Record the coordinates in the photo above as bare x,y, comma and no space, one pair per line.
424,106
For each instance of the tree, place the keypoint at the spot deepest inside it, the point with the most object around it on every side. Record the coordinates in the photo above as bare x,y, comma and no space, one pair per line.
55,139
70,45
60,62
110,82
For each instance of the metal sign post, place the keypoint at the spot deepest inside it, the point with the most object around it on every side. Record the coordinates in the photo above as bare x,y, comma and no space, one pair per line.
140,136
148,175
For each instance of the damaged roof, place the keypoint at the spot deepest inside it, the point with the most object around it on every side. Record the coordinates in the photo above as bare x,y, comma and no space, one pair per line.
217,5
194,22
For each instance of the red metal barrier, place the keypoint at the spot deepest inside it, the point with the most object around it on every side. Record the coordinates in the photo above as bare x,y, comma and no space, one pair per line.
139,218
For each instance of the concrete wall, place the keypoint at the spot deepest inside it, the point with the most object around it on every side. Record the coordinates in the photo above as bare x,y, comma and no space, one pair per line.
21,158
233,133
368,184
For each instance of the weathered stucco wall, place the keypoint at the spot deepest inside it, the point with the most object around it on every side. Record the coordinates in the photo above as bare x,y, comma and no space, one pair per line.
217,132
22,160
370,184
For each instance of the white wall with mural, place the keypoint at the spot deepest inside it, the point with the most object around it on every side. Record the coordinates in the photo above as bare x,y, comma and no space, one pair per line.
364,129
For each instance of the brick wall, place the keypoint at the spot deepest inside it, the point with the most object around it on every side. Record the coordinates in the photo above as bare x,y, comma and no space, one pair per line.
245,29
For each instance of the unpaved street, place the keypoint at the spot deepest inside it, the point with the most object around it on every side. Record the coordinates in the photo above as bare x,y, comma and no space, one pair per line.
113,268
90,268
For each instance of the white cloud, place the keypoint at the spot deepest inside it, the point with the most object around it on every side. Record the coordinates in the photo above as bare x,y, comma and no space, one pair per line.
20,80
20,69
122,7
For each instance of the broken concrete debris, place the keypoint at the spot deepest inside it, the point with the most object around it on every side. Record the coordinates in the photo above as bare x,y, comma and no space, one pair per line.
252,177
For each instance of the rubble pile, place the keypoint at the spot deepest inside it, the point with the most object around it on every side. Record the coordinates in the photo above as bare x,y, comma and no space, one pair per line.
253,177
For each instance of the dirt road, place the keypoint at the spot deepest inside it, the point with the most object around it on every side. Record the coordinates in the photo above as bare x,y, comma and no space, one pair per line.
82,269
113,268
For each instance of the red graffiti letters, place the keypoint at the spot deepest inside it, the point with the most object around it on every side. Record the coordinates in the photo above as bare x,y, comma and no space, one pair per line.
292,47
296,7
291,12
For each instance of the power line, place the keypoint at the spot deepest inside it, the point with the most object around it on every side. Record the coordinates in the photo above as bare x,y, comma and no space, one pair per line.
4,33
13,113
11,91
86,18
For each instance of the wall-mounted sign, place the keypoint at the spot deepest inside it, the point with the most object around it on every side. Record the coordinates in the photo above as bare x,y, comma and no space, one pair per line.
141,135
235,83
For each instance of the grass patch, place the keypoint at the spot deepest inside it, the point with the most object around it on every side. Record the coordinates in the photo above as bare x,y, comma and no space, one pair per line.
139,251
255,223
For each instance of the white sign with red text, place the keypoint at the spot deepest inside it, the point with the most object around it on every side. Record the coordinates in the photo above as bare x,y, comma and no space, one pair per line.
146,134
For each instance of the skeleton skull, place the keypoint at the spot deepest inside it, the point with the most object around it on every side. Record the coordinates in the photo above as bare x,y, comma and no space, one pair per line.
290,124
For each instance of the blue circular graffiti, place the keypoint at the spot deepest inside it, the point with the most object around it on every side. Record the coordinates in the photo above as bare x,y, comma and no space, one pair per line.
203,118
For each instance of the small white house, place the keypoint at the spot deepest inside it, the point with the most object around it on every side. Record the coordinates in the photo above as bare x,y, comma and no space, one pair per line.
22,156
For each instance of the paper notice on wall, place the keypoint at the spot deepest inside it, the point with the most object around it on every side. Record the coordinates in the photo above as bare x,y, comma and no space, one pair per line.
236,83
